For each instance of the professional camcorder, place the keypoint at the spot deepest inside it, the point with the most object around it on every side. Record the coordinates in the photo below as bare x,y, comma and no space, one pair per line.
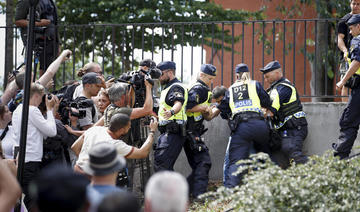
136,79
79,104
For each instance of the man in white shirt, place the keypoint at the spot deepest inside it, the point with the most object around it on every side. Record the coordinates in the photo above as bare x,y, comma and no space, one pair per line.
38,128
119,126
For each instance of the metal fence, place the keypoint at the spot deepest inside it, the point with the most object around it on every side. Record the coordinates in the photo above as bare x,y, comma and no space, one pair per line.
306,49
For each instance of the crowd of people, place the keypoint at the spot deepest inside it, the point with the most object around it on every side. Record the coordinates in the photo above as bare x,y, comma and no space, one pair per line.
79,138
85,128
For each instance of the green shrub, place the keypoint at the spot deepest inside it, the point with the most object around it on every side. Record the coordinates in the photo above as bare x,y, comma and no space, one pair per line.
325,183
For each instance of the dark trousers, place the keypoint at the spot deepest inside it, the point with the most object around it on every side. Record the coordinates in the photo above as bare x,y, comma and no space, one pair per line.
292,143
349,125
200,164
167,151
31,170
249,132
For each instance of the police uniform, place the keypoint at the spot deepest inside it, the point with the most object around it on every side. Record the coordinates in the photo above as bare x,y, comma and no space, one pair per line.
350,118
247,123
172,130
289,117
195,149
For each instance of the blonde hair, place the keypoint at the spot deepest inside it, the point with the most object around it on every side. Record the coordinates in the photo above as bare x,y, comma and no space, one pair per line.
244,77
36,88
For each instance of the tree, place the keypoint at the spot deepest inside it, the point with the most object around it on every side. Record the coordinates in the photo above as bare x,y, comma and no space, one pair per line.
126,36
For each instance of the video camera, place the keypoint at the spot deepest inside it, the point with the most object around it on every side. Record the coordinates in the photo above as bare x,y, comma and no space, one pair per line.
66,105
136,79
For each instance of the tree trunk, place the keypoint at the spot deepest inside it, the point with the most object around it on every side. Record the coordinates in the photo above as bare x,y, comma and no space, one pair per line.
320,84
9,42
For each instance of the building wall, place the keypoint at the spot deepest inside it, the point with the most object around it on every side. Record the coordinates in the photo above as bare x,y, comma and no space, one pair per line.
256,56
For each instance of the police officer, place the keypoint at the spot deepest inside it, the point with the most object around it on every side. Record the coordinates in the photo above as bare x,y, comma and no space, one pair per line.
344,38
172,118
289,118
197,109
246,97
350,119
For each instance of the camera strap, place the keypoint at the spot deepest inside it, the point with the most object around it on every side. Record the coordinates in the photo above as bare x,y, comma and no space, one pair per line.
3,134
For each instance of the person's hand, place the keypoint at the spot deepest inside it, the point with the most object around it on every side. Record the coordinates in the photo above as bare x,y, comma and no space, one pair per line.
57,103
339,85
167,114
11,77
268,113
102,84
65,55
42,23
53,103
68,128
110,82
208,111
153,124
147,84
346,55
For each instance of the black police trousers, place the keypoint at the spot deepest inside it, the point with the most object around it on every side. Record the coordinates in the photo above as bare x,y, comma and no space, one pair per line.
200,162
349,125
241,142
167,150
292,143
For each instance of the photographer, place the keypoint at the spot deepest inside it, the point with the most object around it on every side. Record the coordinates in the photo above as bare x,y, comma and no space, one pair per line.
91,85
88,68
47,39
38,128
119,98
118,95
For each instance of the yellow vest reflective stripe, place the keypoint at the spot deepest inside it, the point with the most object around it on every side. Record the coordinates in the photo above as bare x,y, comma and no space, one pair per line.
181,115
300,114
198,115
244,98
349,62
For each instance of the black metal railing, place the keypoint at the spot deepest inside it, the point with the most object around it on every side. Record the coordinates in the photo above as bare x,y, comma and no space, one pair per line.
306,48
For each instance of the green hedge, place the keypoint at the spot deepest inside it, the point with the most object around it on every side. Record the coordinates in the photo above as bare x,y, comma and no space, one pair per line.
325,183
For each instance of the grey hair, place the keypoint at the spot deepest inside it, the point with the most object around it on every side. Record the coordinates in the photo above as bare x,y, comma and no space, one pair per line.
116,91
167,191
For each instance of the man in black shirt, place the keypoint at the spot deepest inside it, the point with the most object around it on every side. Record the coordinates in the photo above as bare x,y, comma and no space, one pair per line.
344,38
47,39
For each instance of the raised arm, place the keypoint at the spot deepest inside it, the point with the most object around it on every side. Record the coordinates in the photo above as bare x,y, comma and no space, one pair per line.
54,67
